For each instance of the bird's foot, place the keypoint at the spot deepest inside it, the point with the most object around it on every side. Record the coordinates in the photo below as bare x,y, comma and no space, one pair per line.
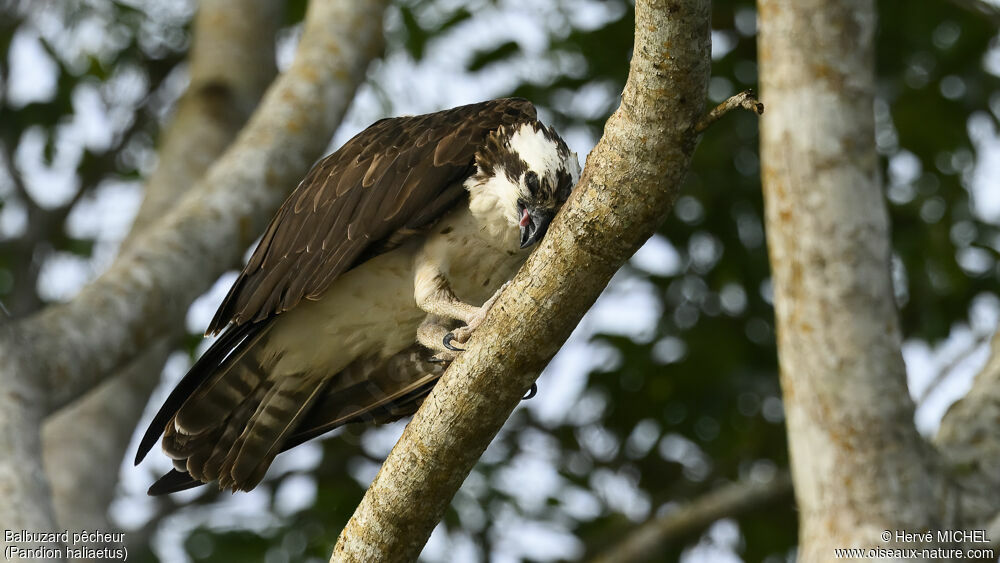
460,335
444,358
463,333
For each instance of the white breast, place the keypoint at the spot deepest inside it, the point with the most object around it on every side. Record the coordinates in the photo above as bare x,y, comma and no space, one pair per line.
478,252
370,310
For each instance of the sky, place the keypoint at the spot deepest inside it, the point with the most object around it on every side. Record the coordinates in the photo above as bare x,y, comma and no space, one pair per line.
628,307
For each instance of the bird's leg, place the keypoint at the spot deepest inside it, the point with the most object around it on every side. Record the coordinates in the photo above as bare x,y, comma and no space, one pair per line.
434,295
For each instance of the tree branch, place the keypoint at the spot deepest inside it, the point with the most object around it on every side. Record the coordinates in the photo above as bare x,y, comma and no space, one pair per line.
745,99
860,467
627,189
957,359
968,442
231,63
980,8
26,503
732,500
83,443
148,288
66,350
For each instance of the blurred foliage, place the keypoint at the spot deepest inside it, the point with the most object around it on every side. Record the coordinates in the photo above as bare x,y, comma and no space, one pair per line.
671,414
128,74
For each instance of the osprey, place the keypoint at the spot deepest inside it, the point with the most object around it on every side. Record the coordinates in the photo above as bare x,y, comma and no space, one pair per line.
390,251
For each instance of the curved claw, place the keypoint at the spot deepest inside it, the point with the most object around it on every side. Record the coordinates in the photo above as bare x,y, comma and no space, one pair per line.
531,392
448,338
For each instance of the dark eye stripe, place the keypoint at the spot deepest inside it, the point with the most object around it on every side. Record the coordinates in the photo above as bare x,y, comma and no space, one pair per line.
531,181
564,184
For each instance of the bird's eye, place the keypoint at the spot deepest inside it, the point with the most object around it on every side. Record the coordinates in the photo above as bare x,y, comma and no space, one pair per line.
531,181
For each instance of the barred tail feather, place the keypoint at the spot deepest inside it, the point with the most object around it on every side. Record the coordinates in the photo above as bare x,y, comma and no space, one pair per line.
236,444
211,468
213,364
277,416
214,401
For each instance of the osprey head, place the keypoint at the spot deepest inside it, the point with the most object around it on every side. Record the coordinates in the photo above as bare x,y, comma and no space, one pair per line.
530,172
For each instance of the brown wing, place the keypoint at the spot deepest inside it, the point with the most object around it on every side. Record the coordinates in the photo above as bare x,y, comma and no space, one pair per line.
399,174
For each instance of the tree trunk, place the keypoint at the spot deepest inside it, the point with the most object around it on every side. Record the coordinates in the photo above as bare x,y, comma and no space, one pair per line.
626,190
50,359
859,465
231,62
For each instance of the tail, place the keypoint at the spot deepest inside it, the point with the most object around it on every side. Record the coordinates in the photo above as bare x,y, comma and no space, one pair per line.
232,427
213,364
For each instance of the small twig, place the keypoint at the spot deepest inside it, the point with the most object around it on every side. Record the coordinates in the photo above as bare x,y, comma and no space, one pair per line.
731,500
20,188
745,99
981,8
950,366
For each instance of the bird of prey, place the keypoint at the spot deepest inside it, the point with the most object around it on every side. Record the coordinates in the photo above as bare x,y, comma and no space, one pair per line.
388,253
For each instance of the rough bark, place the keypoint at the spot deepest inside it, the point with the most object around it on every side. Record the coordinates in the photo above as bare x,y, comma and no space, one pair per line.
231,63
647,541
23,488
859,465
83,444
627,188
66,350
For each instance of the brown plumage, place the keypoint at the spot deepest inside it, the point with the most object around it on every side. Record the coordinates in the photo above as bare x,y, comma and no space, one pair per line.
372,390
229,417
398,174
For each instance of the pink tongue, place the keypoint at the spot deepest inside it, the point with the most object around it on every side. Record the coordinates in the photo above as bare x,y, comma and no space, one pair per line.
525,219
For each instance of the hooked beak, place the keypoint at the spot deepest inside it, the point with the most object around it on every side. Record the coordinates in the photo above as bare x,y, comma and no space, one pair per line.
534,223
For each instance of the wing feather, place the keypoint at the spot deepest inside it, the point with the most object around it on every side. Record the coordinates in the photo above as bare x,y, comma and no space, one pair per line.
393,179
396,175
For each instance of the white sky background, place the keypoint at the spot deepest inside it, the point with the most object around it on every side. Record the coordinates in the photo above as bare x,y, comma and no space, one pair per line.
628,307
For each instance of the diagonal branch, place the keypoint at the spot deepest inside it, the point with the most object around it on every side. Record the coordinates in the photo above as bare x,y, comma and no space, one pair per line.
84,443
626,191
980,7
51,358
231,62
734,499
148,288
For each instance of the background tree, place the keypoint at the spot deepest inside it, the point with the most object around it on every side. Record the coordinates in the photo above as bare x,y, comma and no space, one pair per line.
666,398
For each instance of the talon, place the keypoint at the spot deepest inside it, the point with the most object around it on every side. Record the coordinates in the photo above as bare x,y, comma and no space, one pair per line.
443,358
448,338
531,392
